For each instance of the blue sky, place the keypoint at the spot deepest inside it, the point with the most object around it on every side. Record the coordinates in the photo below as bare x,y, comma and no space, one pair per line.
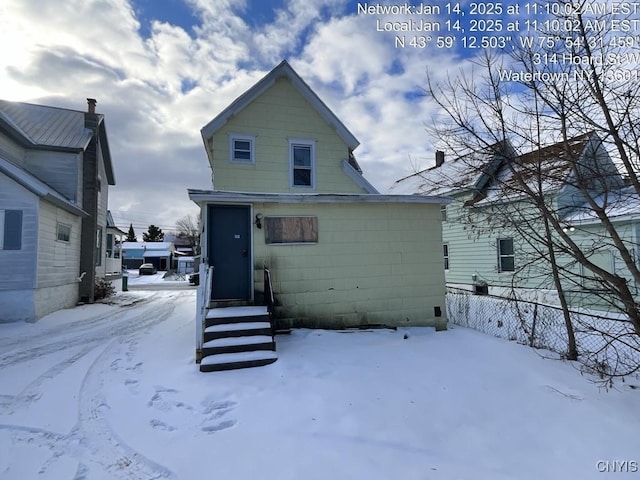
161,69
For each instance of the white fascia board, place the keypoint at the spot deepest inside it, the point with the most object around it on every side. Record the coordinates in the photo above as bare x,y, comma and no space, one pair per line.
358,178
217,196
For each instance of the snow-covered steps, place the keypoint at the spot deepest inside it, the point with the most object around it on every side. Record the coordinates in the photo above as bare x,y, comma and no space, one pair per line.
231,361
237,337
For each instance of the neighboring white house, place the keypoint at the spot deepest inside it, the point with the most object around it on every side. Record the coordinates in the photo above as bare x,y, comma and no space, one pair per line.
483,250
55,171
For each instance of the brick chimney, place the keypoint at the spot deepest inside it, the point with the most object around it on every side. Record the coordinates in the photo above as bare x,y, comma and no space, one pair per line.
439,158
92,105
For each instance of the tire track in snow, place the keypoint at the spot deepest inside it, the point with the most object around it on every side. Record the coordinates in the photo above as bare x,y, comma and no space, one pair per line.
92,441
95,330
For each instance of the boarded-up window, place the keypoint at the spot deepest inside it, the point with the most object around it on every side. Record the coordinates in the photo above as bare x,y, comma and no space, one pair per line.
291,230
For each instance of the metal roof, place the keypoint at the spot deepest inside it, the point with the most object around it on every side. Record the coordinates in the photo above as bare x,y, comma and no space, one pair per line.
45,126
53,128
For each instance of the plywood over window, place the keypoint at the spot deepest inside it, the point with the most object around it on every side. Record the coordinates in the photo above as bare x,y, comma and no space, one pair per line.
291,230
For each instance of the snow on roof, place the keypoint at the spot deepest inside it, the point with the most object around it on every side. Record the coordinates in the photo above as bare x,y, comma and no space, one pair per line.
546,169
456,176
148,245
156,253
623,204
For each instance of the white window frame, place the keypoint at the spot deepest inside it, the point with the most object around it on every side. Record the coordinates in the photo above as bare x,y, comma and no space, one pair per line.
233,137
445,255
301,142
501,255
63,225
443,213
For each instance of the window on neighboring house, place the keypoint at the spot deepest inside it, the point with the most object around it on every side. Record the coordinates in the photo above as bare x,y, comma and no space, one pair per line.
443,212
506,256
109,251
302,158
10,229
241,148
445,254
63,232
99,246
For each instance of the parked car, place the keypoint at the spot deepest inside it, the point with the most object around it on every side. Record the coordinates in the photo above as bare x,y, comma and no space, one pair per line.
147,269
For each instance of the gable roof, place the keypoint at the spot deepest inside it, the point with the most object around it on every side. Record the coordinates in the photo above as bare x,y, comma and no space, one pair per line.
283,70
550,169
42,127
39,188
467,173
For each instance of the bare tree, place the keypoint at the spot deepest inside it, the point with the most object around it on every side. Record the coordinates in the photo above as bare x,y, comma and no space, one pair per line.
570,83
188,227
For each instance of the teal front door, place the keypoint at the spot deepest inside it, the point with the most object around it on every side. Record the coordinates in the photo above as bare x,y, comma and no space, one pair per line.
230,251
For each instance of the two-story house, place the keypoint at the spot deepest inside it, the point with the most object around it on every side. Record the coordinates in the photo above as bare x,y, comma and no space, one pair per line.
289,195
492,229
55,170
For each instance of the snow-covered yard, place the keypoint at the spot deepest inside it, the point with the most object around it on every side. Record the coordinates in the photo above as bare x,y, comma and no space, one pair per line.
112,392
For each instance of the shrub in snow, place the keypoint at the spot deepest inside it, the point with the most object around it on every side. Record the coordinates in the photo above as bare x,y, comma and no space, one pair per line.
103,289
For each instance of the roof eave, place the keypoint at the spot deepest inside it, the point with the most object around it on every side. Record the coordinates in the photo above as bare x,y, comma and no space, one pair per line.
219,196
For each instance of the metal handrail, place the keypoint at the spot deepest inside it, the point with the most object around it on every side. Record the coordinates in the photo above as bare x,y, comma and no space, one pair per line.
269,299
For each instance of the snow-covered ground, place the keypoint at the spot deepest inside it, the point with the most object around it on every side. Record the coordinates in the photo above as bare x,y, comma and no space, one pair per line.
112,392
134,279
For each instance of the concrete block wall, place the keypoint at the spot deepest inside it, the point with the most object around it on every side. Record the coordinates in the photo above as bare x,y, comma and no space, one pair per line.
373,264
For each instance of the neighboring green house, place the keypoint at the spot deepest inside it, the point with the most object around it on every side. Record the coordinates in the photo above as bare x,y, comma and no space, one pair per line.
289,195
483,249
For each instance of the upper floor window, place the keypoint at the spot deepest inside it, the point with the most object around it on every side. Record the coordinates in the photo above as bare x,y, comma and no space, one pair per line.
10,229
302,160
63,232
506,255
443,213
241,148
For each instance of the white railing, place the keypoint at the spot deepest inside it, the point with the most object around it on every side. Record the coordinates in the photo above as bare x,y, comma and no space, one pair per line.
113,265
202,304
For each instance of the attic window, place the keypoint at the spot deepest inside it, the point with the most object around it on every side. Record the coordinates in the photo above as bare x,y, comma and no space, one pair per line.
241,148
302,160
287,230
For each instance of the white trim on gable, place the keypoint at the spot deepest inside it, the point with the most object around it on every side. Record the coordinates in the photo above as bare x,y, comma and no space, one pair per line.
282,70
358,178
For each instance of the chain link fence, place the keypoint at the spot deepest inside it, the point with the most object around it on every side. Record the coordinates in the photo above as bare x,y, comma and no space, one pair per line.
607,345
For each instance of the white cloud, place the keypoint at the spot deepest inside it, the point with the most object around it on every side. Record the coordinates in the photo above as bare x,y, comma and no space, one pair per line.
157,92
